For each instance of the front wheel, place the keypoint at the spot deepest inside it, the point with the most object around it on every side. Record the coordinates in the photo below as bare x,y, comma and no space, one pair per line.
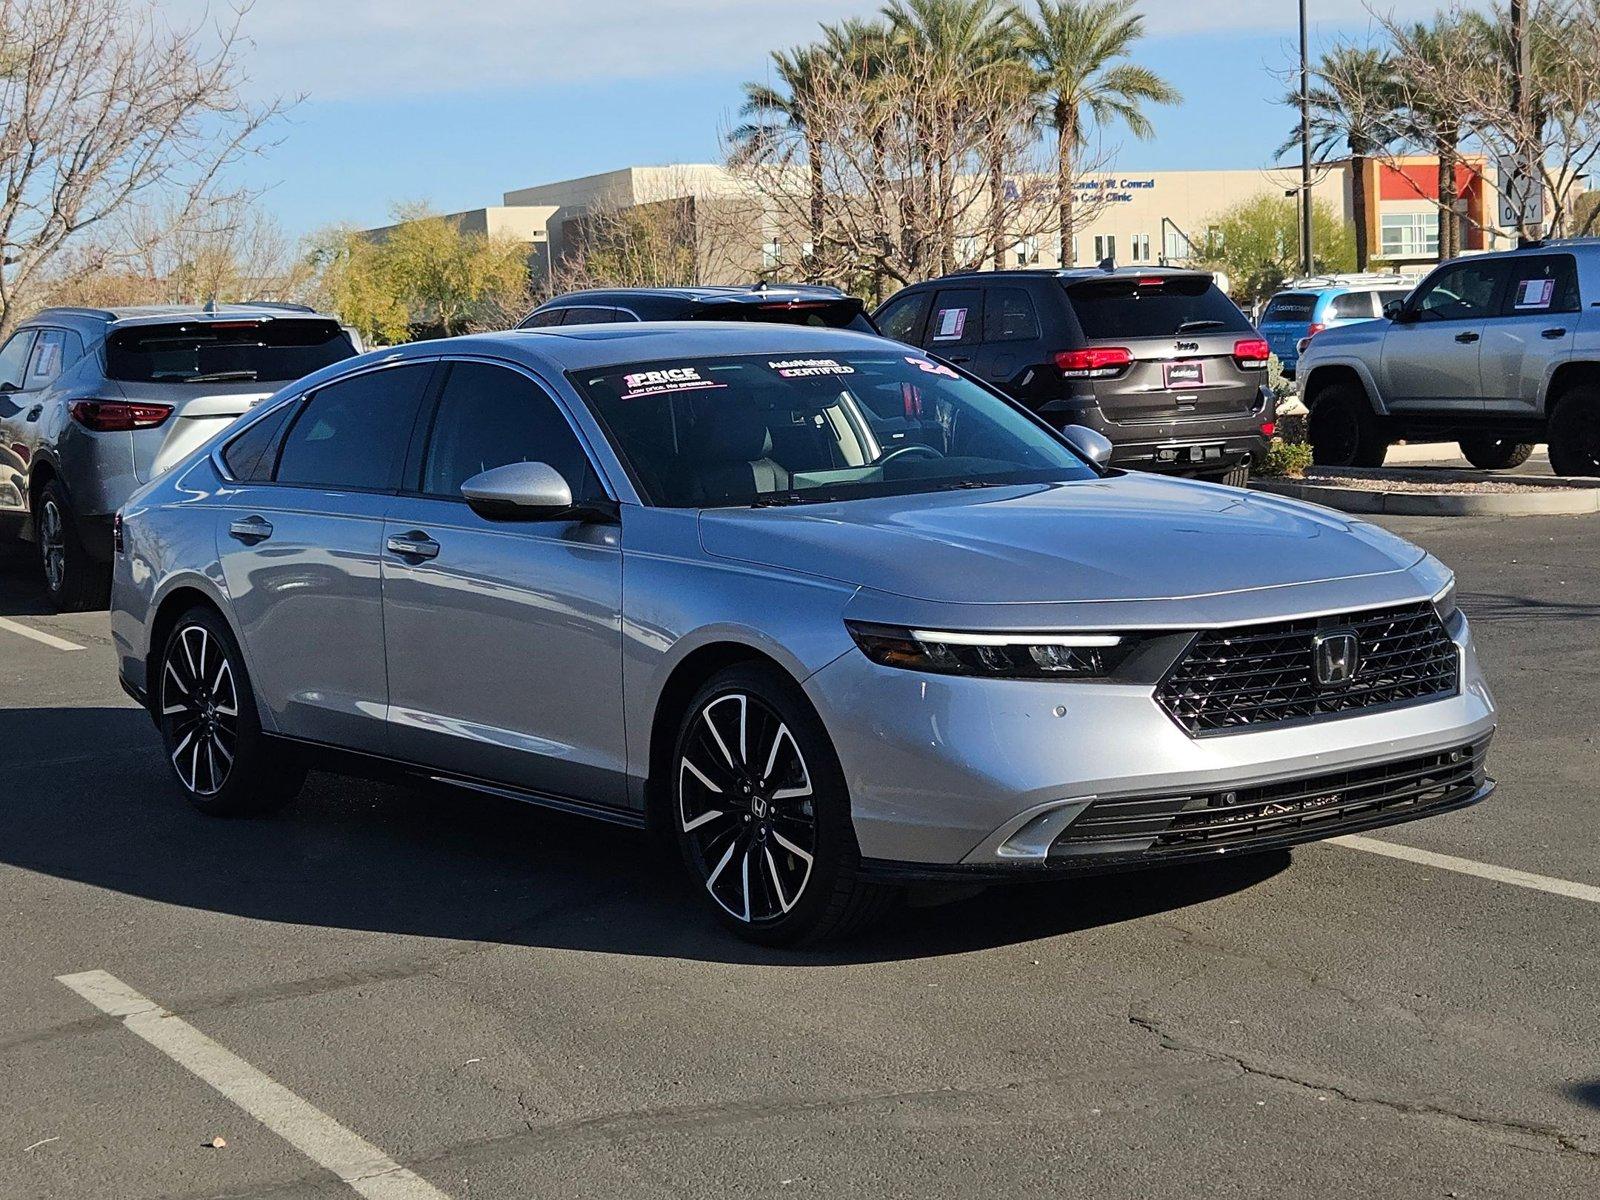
1344,430
1575,433
210,727
1495,454
762,816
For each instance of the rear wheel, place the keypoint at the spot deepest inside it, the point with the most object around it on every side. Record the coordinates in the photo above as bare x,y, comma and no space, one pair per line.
1495,454
1344,430
1575,433
762,815
210,726
73,582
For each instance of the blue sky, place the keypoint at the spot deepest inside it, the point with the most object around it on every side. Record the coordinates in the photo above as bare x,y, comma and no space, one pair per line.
453,104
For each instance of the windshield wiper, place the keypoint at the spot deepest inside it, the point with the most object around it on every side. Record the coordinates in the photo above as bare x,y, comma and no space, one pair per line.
219,376
1191,326
957,485
778,500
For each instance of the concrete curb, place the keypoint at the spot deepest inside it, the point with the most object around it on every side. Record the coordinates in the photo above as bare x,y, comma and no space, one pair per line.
1544,497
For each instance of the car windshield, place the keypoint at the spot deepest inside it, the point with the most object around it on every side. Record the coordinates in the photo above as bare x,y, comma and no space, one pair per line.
1130,306
246,351
820,425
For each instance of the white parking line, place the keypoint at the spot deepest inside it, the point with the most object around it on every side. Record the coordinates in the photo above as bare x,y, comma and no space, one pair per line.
47,638
1466,866
318,1136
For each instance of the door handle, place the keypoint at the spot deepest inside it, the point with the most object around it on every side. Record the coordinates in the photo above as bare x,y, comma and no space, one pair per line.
415,544
1552,334
251,529
1466,339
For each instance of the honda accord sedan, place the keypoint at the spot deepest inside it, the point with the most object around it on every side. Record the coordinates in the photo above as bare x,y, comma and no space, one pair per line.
823,609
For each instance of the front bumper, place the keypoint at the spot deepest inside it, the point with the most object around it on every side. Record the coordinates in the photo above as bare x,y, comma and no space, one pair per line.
958,776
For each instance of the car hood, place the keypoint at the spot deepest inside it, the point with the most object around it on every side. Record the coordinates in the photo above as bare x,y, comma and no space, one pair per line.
1127,537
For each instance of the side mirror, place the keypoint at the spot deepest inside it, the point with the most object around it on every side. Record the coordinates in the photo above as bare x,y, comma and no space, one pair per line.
1096,447
524,491
1395,310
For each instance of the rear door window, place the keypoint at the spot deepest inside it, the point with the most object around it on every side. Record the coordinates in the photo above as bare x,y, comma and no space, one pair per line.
353,433
54,352
1009,316
589,316
270,350
957,319
1542,284
1290,308
1128,306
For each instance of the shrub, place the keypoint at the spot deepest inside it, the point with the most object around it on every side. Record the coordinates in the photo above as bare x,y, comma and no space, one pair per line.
1284,460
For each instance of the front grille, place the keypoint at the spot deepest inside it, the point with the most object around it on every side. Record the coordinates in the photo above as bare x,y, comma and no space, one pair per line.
1319,805
1255,675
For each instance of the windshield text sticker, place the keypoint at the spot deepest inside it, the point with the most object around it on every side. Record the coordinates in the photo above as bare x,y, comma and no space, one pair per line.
952,324
638,384
932,368
1535,293
801,368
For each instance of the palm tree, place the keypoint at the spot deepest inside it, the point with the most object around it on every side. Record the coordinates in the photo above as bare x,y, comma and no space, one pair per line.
1353,107
786,107
1429,115
948,41
1076,47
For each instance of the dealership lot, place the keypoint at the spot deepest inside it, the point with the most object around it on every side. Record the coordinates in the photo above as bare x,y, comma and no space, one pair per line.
467,998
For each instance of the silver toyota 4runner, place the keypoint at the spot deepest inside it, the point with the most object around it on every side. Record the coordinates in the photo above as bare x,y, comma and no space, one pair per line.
1496,351
95,402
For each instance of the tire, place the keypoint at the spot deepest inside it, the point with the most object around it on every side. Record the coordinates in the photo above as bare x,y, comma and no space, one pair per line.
73,581
1237,476
780,865
1344,430
210,727
1575,433
1495,454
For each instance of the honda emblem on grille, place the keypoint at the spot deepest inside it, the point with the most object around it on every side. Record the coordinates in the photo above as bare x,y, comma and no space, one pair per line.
1335,656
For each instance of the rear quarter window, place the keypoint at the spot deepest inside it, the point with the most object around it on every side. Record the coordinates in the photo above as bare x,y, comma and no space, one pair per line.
1160,306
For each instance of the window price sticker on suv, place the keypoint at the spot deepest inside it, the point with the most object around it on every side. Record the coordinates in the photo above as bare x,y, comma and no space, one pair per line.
1183,374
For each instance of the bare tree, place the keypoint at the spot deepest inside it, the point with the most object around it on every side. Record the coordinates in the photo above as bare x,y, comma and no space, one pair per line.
105,107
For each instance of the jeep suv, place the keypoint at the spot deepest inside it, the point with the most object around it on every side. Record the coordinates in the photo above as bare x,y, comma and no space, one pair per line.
94,402
1160,361
1497,352
781,304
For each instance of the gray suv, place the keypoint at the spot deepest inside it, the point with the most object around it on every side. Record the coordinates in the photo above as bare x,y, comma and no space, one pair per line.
95,402
1497,352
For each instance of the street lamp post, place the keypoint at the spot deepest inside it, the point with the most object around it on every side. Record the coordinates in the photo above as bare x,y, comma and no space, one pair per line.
1306,257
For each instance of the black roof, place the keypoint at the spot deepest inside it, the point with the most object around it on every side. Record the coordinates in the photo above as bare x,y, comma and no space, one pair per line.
1071,274
739,294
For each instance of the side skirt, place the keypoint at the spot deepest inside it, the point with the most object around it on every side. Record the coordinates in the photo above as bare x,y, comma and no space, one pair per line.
342,761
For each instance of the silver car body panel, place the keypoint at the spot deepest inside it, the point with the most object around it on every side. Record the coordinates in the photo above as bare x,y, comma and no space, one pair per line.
535,656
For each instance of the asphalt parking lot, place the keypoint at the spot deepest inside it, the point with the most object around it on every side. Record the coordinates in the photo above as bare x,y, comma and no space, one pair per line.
468,998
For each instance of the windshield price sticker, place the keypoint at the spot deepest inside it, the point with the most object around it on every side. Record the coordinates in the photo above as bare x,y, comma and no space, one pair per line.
638,384
801,368
1535,293
932,368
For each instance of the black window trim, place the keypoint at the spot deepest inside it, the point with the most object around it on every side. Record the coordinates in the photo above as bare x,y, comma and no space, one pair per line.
298,404
422,434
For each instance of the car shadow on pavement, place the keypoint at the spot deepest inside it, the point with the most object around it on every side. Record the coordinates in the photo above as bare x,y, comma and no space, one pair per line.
88,799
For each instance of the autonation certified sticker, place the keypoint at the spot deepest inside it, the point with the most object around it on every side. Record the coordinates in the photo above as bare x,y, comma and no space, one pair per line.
800,368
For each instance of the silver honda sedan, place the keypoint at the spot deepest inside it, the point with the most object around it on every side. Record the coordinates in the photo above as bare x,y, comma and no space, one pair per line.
828,612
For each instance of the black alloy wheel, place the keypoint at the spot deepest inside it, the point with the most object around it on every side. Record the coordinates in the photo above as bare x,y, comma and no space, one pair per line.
1495,454
209,725
1575,433
761,814
1344,431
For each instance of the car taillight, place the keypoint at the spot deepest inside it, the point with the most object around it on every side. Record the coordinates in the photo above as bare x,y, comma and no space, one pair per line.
117,416
1251,353
1313,329
1268,428
1097,362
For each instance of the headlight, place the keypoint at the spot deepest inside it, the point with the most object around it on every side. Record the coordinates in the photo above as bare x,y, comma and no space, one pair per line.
1445,602
994,655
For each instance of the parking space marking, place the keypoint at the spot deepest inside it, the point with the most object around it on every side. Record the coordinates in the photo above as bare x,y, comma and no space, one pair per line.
49,639
1466,866
309,1130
